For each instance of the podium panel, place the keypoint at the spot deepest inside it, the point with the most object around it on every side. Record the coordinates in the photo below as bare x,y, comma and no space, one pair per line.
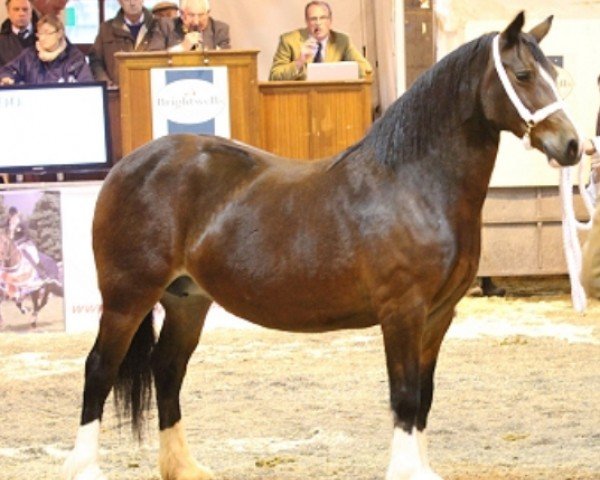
136,111
310,120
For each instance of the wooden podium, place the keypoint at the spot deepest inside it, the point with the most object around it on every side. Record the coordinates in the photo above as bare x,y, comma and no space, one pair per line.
310,120
136,112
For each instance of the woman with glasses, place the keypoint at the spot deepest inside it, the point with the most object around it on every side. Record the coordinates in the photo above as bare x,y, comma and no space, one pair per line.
53,59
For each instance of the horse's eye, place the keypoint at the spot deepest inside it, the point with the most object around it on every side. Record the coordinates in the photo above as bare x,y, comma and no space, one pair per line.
523,75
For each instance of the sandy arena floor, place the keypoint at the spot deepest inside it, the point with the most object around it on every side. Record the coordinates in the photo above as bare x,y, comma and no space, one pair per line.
517,398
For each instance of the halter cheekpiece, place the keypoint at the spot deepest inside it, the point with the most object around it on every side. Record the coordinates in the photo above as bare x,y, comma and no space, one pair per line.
530,119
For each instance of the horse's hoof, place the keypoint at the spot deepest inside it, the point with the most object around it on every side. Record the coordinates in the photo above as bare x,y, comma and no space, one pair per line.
426,474
421,474
92,472
408,472
191,472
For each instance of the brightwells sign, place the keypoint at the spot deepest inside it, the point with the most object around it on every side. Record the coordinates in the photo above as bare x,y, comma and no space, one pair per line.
190,100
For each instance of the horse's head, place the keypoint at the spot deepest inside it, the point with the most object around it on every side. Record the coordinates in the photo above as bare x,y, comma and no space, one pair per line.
519,93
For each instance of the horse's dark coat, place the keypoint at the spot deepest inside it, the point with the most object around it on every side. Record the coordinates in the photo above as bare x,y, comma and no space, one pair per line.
386,233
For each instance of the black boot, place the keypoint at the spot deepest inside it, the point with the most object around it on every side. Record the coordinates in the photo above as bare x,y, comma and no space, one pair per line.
489,289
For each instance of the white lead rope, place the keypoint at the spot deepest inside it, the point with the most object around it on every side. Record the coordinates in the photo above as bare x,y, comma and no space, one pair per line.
570,225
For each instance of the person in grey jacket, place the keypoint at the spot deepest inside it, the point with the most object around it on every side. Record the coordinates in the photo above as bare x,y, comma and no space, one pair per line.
134,28
195,29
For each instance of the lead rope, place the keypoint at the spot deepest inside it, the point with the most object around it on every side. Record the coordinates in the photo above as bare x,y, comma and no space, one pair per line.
570,225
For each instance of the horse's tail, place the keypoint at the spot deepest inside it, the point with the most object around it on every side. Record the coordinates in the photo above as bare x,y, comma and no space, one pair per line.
133,387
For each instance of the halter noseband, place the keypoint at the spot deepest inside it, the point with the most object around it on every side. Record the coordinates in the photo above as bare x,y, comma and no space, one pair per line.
530,119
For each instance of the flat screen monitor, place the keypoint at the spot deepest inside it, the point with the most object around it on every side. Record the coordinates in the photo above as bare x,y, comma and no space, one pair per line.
54,128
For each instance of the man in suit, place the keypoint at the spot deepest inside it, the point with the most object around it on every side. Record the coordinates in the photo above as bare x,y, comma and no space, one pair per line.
195,29
315,43
17,31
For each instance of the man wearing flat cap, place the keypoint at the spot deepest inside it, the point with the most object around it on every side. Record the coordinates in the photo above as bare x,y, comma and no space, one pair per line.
165,10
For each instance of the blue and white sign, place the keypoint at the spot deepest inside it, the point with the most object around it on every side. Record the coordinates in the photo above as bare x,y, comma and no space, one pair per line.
190,100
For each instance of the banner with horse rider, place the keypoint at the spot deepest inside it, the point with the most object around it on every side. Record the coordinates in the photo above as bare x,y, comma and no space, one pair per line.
30,259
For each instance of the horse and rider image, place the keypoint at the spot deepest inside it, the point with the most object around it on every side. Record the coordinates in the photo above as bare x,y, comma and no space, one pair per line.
26,272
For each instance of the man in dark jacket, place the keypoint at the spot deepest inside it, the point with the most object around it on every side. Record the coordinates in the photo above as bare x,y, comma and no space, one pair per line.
17,31
132,29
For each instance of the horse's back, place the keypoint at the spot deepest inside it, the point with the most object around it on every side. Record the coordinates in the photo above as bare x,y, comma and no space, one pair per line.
158,200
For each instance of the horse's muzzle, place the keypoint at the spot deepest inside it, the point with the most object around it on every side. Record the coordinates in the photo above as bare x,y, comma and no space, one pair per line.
564,153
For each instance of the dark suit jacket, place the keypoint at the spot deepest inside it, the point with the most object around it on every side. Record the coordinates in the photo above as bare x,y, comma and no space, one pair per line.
10,44
339,48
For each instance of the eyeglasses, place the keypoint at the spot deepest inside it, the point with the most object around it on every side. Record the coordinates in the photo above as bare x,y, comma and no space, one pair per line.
45,34
318,19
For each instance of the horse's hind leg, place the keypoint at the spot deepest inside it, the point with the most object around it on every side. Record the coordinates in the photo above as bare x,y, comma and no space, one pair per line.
35,302
185,311
118,329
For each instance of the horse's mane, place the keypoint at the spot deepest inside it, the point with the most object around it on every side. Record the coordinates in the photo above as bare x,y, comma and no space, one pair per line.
440,99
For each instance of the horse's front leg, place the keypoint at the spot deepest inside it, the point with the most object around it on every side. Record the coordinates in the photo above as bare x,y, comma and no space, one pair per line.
184,319
403,340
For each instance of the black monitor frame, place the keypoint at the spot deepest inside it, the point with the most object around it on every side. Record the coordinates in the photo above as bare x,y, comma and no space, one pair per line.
67,168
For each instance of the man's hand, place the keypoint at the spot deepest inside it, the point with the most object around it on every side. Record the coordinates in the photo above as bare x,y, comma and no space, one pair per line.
307,51
191,40
588,147
7,81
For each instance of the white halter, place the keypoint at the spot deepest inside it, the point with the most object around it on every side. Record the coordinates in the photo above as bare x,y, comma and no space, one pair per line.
530,119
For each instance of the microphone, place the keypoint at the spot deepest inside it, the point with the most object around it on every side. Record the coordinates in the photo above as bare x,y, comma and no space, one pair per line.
194,28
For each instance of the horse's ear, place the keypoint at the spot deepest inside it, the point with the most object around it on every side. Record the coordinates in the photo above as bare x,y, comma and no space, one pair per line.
540,31
511,34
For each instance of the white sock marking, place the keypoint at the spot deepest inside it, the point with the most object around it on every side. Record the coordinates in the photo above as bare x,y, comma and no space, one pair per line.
82,462
409,457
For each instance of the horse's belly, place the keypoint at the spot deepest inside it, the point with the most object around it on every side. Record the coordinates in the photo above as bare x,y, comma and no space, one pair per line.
304,323
282,316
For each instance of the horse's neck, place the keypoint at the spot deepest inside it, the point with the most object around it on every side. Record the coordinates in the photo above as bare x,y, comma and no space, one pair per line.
445,127
14,255
459,151
457,160
466,162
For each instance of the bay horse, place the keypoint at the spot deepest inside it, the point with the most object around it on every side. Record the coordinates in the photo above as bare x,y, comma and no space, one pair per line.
19,278
385,233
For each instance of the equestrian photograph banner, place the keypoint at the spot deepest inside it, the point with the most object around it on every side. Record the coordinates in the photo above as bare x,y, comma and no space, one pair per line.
190,100
31,257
